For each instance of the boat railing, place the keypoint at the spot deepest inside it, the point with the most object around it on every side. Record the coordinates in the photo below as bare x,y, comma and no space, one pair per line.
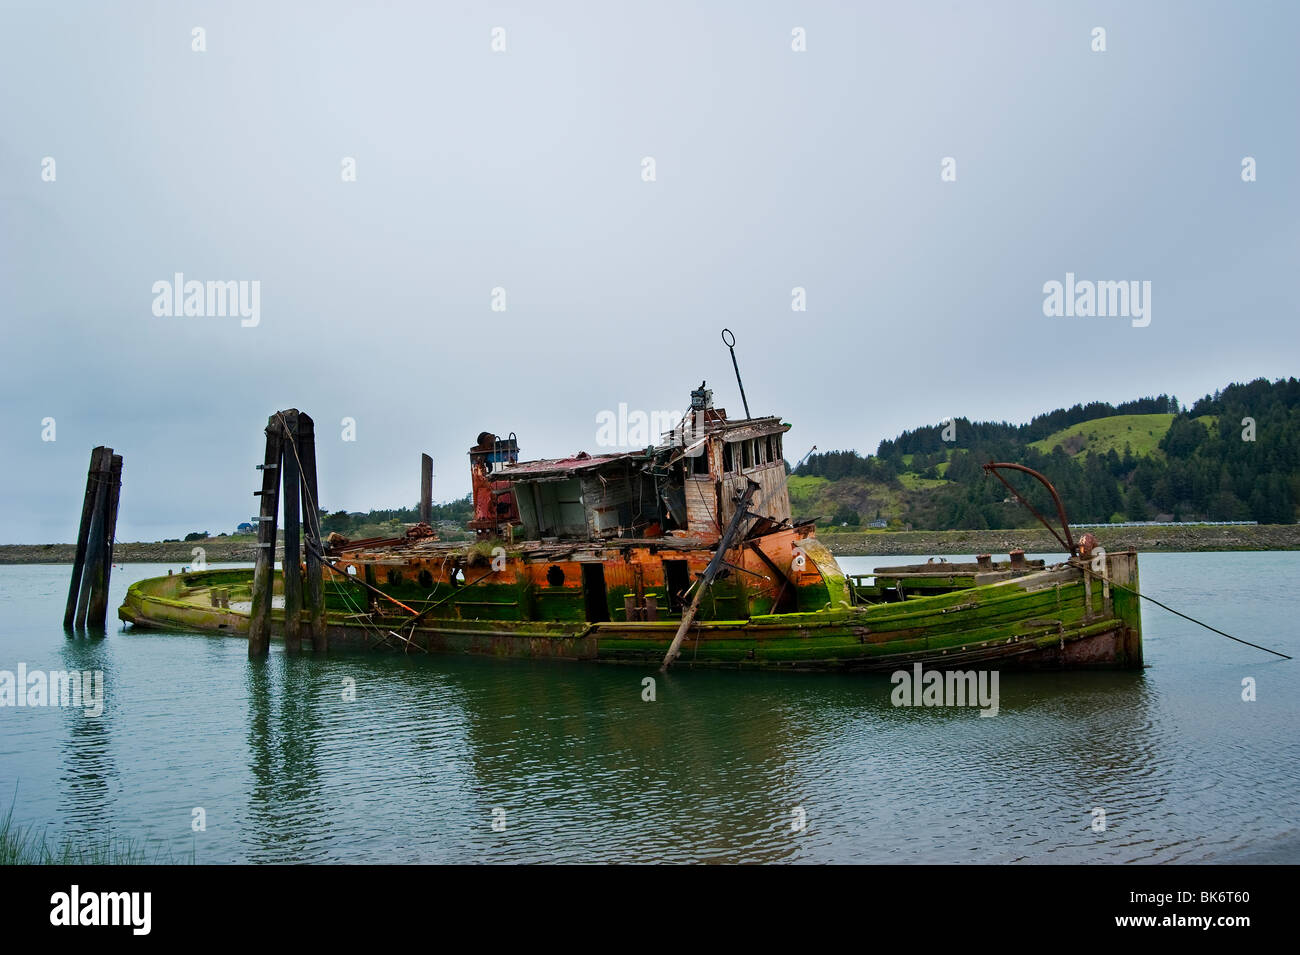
860,585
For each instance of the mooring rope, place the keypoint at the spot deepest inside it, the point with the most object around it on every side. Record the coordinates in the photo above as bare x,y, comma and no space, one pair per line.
1178,613
362,618
313,544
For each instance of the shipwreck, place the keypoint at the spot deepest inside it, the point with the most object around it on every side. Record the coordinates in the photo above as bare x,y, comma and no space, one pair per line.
683,551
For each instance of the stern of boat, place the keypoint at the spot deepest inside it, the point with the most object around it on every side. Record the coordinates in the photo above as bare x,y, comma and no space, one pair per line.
1122,571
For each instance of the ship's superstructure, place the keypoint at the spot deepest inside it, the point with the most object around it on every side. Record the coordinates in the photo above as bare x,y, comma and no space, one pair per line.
617,536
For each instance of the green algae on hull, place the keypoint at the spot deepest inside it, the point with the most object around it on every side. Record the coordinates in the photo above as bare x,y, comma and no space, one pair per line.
1060,617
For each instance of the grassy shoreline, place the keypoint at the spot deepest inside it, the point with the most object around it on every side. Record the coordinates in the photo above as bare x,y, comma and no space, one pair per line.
1186,537
27,845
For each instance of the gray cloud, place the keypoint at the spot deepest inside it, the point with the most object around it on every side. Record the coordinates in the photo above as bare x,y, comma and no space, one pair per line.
522,170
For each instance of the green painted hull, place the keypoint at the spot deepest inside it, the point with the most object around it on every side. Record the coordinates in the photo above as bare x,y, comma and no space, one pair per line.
1057,618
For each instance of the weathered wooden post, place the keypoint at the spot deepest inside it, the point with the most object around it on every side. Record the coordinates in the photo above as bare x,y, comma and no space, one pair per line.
114,493
292,567
83,533
92,603
97,611
426,489
259,627
311,531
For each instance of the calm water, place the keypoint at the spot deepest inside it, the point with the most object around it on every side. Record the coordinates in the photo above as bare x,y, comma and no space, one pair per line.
413,769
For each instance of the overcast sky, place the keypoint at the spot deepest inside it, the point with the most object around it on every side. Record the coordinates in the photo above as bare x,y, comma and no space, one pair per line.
523,170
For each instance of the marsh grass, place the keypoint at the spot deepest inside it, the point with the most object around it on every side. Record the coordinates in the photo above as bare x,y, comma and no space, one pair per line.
25,845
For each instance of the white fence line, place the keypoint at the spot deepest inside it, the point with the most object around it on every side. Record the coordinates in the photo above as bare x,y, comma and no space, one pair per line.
1170,524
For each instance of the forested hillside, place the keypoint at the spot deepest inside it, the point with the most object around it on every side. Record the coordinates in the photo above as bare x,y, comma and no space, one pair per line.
1233,455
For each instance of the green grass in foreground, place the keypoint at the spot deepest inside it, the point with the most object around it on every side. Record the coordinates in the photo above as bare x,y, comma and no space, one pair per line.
20,845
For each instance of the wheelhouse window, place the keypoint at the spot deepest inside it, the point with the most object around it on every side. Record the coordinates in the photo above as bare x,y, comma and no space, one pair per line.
700,463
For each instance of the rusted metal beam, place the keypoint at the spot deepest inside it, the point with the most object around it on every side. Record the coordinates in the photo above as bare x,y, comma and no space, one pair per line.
455,593
993,467
426,489
357,580
771,565
746,570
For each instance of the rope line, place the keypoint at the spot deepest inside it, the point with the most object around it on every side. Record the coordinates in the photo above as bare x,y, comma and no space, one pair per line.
1178,613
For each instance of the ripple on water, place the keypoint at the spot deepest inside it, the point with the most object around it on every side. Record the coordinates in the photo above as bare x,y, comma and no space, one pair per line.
722,767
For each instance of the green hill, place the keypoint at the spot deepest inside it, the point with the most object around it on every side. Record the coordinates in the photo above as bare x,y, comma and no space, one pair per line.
830,502
1141,432
822,498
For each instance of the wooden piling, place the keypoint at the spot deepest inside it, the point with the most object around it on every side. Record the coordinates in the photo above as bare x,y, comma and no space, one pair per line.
291,477
114,493
259,627
426,489
92,602
315,591
83,534
97,611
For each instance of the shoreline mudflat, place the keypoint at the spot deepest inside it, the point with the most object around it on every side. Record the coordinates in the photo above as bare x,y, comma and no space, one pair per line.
1174,539
218,550
903,543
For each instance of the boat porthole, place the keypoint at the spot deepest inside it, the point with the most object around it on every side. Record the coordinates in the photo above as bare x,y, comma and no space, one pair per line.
352,570
426,579
554,575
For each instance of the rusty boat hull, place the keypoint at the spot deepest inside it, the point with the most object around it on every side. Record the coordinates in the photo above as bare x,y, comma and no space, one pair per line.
1066,616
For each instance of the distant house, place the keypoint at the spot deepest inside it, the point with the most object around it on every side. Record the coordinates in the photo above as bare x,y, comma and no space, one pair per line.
244,528
878,522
